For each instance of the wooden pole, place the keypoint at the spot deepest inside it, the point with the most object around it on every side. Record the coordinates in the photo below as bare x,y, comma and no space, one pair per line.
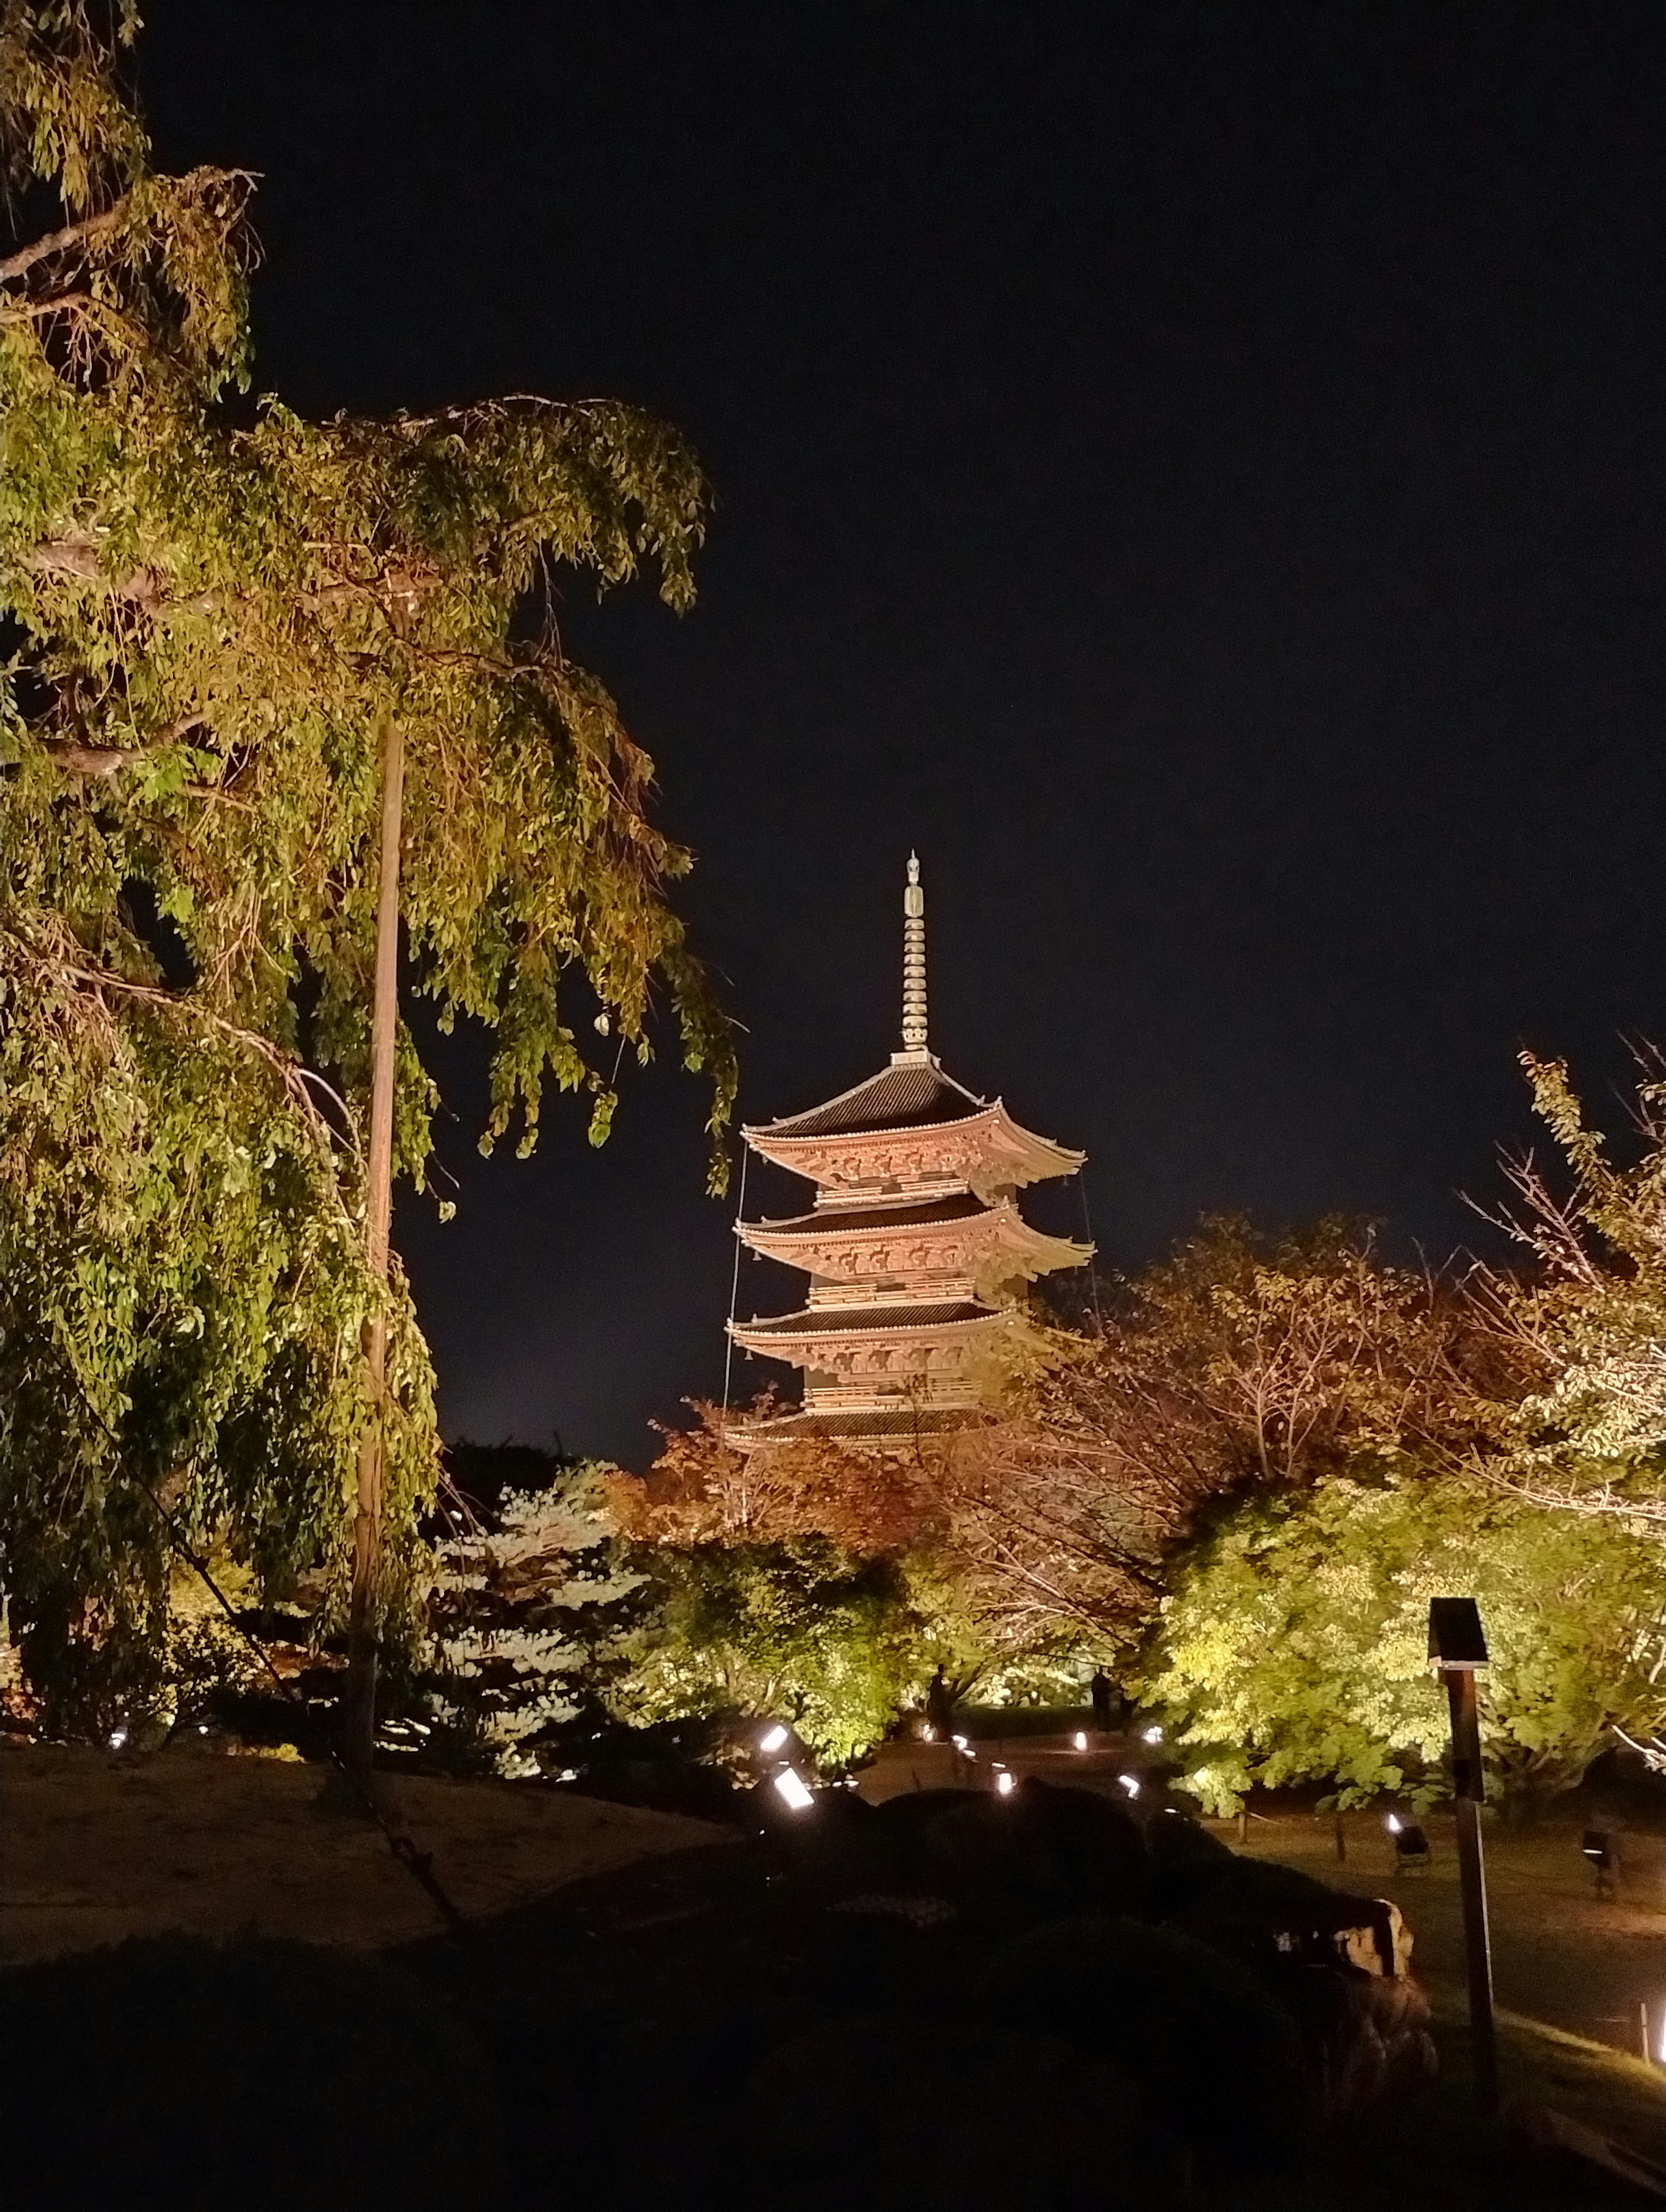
1468,1790
359,1705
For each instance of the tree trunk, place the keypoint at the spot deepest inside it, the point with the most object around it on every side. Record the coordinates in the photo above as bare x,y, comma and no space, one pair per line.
359,1705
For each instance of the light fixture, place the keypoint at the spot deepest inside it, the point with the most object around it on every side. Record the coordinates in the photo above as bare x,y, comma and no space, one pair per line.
1081,1739
1004,1784
773,1738
117,1739
1130,1784
1394,1824
1152,1736
929,1734
793,1789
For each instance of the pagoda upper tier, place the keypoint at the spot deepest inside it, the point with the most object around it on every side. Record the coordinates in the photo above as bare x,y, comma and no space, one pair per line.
915,1250
913,1125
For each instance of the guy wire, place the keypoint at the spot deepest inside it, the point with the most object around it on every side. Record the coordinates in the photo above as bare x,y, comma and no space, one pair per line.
734,1293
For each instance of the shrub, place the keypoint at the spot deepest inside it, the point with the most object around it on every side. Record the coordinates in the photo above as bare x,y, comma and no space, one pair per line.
260,2073
1217,2059
935,2118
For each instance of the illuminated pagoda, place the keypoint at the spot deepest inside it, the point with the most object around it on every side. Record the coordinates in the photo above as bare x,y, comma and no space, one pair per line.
915,1250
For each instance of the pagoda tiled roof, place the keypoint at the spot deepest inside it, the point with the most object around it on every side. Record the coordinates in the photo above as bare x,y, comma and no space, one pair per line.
823,1220
853,1320
909,1094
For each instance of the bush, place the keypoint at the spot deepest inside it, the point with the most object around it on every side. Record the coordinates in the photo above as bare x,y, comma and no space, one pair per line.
1218,2059
1187,1862
1044,1849
914,2115
259,2073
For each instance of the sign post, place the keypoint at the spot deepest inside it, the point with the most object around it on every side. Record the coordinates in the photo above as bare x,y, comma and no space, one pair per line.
1458,1646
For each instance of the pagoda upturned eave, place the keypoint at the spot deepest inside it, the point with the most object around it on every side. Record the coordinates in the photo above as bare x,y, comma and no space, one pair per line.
986,1152
799,1338
955,1234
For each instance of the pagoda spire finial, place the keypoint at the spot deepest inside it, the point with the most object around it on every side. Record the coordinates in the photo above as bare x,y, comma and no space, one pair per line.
914,961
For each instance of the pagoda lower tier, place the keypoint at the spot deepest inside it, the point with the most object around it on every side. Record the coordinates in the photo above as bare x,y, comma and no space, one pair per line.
892,1355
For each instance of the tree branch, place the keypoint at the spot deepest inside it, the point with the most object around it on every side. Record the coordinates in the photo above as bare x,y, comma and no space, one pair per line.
59,241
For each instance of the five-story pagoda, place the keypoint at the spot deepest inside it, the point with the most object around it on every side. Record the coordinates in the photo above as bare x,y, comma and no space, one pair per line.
916,1249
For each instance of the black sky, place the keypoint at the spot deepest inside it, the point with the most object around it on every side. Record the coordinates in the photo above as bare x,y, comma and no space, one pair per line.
1195,471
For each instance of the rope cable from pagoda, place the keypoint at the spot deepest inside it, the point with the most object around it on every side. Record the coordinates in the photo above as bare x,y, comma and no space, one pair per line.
1088,1231
734,1296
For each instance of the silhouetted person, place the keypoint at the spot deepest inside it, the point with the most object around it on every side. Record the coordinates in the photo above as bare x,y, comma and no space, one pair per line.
1099,1691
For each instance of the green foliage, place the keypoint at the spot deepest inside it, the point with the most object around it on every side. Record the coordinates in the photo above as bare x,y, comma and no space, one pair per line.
1294,1644
801,1631
181,1294
211,614
1582,1333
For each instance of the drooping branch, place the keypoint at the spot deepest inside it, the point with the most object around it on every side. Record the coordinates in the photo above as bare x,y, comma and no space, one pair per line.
303,1084
60,242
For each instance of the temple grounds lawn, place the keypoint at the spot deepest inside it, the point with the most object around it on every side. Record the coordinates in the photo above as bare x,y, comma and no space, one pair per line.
1570,1969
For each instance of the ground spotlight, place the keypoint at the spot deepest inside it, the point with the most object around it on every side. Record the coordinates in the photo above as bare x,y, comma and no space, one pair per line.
1596,1845
1129,1783
793,1789
1081,1739
1411,1845
774,1740
1004,1784
1152,1736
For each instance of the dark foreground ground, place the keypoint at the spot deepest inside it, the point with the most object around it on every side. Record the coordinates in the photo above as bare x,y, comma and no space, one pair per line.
821,2013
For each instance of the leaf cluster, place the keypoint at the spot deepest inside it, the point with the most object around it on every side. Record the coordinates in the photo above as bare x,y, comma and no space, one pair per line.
1293,1646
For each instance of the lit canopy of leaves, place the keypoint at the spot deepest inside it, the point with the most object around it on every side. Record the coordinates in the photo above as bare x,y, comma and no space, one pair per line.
213,612
800,1630
1244,1363
1294,1646
1583,1332
700,1490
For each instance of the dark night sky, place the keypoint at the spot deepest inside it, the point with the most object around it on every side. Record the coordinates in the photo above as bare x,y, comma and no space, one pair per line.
1196,472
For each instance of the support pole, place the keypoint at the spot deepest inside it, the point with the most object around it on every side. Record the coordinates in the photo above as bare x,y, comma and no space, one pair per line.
1468,1790
359,1705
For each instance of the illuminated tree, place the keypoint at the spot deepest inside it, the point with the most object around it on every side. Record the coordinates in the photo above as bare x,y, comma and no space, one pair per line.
1580,1338
1244,1364
222,621
1294,1644
700,1490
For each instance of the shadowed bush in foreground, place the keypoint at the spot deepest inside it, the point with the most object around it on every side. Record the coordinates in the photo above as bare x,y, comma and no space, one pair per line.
258,2073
